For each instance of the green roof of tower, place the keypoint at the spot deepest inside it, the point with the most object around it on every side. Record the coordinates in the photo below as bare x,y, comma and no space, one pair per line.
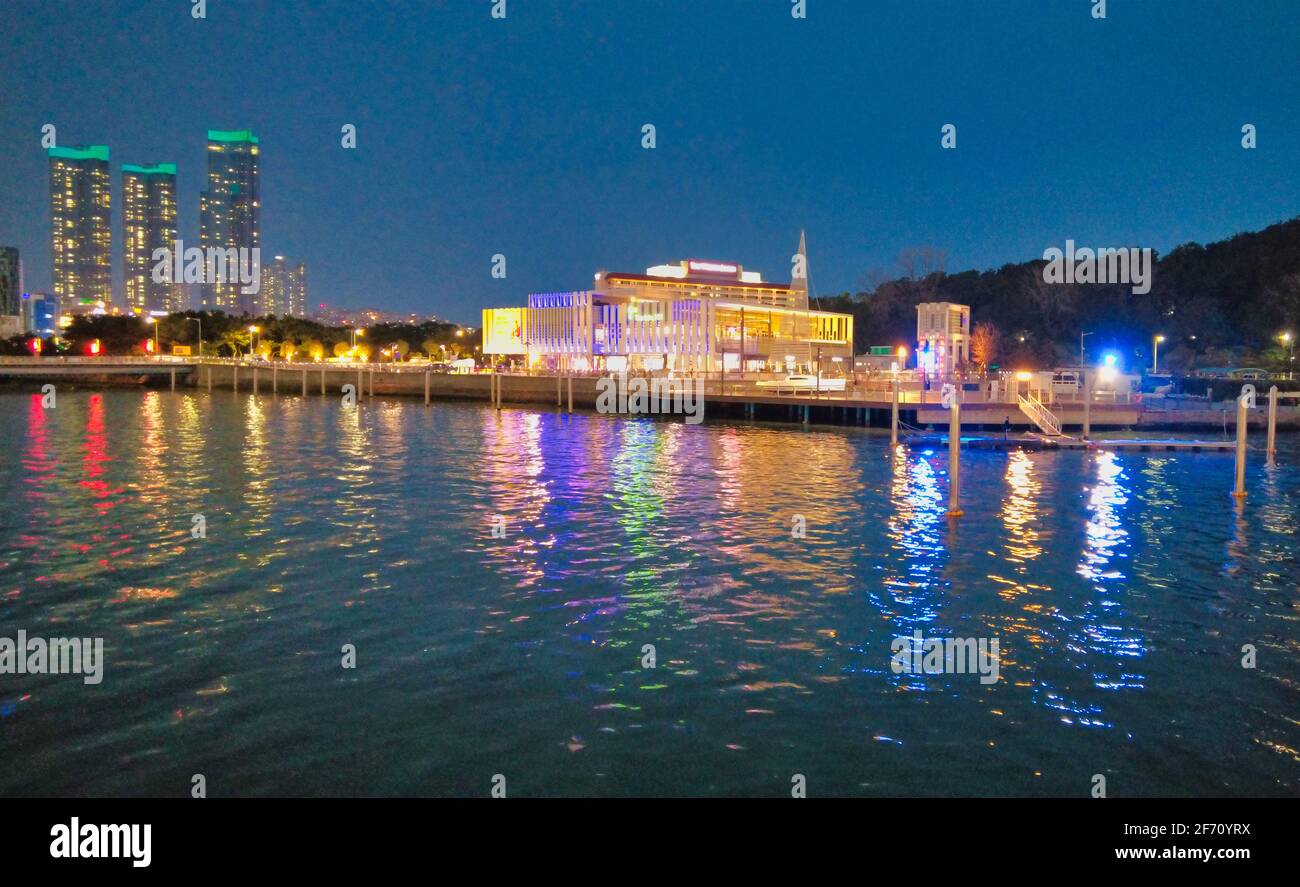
156,169
84,152
232,135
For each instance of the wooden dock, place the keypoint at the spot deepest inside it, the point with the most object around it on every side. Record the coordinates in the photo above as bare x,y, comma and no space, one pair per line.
1043,442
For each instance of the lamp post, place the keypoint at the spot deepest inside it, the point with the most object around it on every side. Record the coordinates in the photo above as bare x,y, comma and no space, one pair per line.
154,322
1081,360
199,321
1289,339
1155,352
356,331
253,347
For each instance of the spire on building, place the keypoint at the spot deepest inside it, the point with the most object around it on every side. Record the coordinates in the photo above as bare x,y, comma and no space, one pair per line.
799,271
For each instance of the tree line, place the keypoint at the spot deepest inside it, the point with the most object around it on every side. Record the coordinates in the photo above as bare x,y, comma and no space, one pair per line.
1223,304
229,335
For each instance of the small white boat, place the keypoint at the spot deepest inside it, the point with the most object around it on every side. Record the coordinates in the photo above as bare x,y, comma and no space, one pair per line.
804,383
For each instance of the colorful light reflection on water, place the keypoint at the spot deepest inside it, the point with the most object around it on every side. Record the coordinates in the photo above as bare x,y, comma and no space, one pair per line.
1121,587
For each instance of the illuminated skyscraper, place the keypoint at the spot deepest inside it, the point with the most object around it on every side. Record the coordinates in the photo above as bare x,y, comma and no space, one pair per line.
230,211
149,223
80,233
284,288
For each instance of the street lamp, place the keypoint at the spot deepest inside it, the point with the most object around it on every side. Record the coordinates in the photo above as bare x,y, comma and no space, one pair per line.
253,348
1155,351
154,321
1081,360
1288,339
356,331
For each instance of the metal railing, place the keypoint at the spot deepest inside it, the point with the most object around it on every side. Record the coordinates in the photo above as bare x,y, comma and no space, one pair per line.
1041,415
55,360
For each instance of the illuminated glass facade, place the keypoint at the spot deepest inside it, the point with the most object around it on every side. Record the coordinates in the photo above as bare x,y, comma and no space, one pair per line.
148,224
80,234
284,288
230,211
694,316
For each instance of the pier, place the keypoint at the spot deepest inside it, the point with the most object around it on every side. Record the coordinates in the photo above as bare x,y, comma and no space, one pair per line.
1042,442
867,405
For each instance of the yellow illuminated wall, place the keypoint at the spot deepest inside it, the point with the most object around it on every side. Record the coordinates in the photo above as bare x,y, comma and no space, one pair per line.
503,330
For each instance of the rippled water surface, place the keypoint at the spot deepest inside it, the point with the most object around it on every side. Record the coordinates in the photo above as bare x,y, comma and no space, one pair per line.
1121,588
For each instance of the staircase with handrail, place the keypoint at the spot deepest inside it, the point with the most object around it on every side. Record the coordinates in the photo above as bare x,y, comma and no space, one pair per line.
1040,415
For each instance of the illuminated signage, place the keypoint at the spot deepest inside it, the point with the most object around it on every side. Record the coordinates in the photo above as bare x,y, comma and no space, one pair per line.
695,266
503,331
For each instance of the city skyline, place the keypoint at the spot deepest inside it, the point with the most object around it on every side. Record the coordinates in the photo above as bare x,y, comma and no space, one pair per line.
453,166
83,251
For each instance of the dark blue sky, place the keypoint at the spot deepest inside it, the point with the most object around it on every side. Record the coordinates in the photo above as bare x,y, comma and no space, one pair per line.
523,136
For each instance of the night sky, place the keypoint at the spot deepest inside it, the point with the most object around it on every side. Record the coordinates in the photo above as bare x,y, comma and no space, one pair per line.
523,137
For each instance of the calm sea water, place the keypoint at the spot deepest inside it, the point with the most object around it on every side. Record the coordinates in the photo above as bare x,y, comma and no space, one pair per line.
1121,588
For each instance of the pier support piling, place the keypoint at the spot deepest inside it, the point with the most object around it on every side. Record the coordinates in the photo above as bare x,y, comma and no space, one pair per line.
954,460
234,380
173,375
1087,404
1239,490
1272,425
559,395
254,380
275,380
361,384
893,422
304,381
426,388
209,380
570,378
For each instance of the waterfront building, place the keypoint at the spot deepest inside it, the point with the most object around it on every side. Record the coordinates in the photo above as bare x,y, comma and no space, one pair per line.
149,224
11,281
881,359
284,288
942,337
690,316
80,230
40,314
230,212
